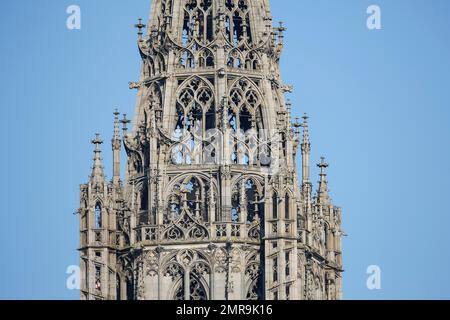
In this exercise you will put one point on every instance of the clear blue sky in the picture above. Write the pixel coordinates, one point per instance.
(379, 106)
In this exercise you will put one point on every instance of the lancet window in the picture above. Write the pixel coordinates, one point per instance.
(198, 22)
(245, 120)
(246, 199)
(193, 195)
(237, 21)
(195, 115)
(238, 60)
(98, 216)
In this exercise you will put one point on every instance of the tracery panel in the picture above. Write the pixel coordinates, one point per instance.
(195, 115)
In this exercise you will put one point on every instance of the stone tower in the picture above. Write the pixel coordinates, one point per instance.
(211, 206)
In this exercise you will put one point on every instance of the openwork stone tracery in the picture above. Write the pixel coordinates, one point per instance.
(211, 206)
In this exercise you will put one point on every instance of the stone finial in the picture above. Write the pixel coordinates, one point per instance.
(125, 123)
(97, 142)
(140, 26)
(322, 192)
(97, 168)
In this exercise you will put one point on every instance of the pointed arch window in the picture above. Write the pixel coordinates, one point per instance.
(237, 21)
(245, 119)
(195, 116)
(275, 206)
(144, 205)
(325, 236)
(287, 201)
(206, 59)
(196, 195)
(235, 60)
(196, 291)
(283, 144)
(98, 216)
(198, 21)
(252, 196)
(236, 207)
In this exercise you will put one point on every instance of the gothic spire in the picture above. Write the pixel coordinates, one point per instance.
(306, 151)
(116, 126)
(322, 192)
(116, 147)
(98, 175)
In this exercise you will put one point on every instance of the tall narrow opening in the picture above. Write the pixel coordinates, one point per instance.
(98, 216)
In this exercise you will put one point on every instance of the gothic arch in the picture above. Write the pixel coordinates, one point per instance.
(186, 59)
(98, 215)
(235, 59)
(198, 22)
(187, 176)
(154, 92)
(258, 179)
(237, 22)
(246, 120)
(154, 64)
(288, 195)
(252, 277)
(176, 266)
(206, 58)
(245, 101)
(195, 116)
(190, 205)
(153, 109)
(244, 92)
(252, 60)
(174, 198)
(98, 200)
(248, 191)
(194, 93)
(275, 205)
(198, 289)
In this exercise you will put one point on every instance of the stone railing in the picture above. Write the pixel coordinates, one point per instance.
(218, 231)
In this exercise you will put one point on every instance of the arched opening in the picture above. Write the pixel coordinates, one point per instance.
(98, 216)
(283, 145)
(325, 236)
(198, 21)
(235, 207)
(195, 115)
(252, 200)
(143, 208)
(206, 59)
(197, 291)
(194, 196)
(287, 201)
(237, 22)
(274, 206)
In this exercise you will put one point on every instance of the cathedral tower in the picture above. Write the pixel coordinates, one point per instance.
(211, 206)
